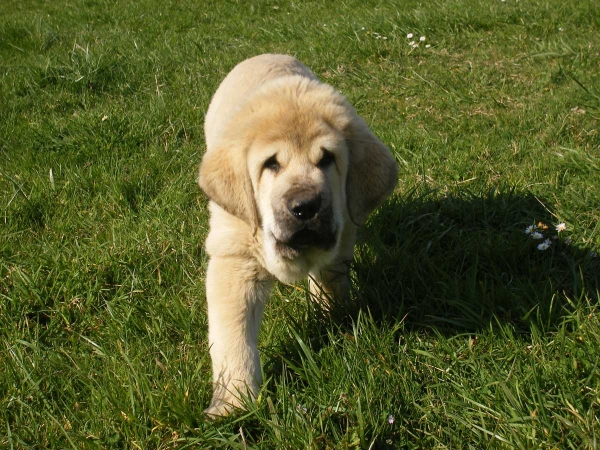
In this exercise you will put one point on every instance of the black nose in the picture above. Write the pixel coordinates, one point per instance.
(305, 206)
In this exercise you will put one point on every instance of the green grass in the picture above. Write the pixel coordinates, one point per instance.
(458, 328)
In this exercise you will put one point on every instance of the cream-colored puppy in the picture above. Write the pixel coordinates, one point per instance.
(291, 171)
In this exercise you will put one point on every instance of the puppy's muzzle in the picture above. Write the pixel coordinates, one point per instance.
(306, 221)
(305, 205)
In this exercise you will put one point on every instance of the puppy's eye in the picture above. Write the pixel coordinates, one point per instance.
(326, 160)
(272, 164)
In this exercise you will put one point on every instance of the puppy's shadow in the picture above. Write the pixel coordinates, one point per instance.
(459, 264)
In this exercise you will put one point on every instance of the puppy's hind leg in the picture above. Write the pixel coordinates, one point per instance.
(236, 293)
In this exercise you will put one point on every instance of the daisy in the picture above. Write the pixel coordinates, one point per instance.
(530, 229)
(409, 36)
(544, 245)
(422, 38)
(561, 227)
(390, 419)
(537, 235)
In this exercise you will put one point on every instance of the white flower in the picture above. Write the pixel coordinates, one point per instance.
(544, 245)
(409, 36)
(411, 43)
(427, 46)
(561, 227)
(422, 38)
(530, 229)
(390, 419)
(537, 235)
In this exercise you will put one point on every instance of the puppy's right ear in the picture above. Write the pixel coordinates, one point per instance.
(225, 179)
(372, 174)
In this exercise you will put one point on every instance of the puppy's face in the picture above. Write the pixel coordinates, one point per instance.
(298, 174)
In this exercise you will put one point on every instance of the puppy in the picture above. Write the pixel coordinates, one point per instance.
(291, 172)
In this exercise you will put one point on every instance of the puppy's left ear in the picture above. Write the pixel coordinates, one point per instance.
(372, 171)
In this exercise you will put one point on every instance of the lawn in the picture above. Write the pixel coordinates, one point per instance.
(460, 333)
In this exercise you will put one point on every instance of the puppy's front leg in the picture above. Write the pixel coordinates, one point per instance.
(333, 280)
(236, 293)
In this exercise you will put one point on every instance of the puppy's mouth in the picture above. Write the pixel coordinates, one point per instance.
(302, 240)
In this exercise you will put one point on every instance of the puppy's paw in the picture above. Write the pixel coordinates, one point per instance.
(222, 406)
(218, 409)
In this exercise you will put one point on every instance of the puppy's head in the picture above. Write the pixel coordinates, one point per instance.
(298, 163)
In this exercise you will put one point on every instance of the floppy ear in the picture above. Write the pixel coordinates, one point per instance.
(225, 179)
(372, 171)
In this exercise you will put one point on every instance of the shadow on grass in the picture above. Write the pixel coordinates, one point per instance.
(461, 263)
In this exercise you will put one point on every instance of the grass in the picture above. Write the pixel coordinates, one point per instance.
(460, 333)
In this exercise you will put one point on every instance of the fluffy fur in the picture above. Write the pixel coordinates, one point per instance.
(291, 171)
